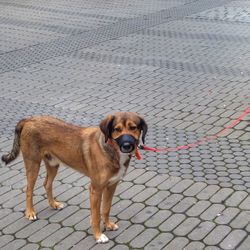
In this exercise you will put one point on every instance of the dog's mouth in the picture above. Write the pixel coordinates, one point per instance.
(127, 143)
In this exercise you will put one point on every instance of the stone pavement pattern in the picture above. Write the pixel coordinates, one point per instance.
(184, 65)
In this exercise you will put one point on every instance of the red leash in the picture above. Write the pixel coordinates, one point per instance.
(201, 141)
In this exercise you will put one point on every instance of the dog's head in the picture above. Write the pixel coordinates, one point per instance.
(125, 129)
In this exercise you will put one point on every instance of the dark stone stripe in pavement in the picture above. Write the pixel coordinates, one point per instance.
(37, 53)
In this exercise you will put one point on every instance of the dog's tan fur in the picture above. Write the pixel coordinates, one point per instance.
(91, 151)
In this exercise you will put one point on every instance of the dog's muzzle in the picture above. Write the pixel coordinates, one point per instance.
(126, 143)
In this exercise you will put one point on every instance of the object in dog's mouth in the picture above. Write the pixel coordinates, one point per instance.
(53, 141)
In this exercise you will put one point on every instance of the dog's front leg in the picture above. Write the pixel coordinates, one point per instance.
(95, 206)
(108, 194)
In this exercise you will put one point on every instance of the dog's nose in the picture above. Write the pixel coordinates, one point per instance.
(127, 147)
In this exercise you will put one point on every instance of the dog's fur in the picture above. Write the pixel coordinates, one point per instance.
(91, 151)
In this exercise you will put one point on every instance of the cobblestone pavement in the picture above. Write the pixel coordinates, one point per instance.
(184, 65)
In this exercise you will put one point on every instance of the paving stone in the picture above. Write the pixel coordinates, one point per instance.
(241, 220)
(70, 240)
(245, 244)
(198, 208)
(195, 246)
(30, 247)
(172, 222)
(221, 195)
(177, 243)
(144, 215)
(5, 239)
(15, 244)
(170, 201)
(44, 232)
(201, 230)
(245, 204)
(9, 219)
(184, 205)
(144, 195)
(131, 192)
(142, 239)
(129, 233)
(236, 198)
(131, 211)
(207, 192)
(159, 242)
(186, 226)
(217, 235)
(233, 239)
(158, 218)
(194, 189)
(227, 215)
(212, 212)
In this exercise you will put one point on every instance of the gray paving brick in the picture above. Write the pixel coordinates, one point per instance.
(158, 218)
(169, 183)
(15, 244)
(119, 207)
(63, 214)
(207, 192)
(159, 242)
(129, 233)
(181, 186)
(245, 204)
(131, 211)
(144, 215)
(186, 226)
(227, 215)
(157, 198)
(31, 229)
(16, 226)
(241, 220)
(9, 219)
(201, 230)
(120, 247)
(233, 239)
(198, 208)
(44, 232)
(184, 205)
(145, 177)
(195, 246)
(56, 237)
(123, 187)
(5, 239)
(177, 243)
(155, 181)
(221, 195)
(245, 244)
(133, 174)
(142, 239)
(131, 192)
(194, 189)
(236, 198)
(144, 195)
(212, 212)
(170, 201)
(30, 247)
(74, 218)
(217, 235)
(172, 222)
(87, 243)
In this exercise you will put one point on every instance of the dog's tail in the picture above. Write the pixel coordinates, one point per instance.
(7, 158)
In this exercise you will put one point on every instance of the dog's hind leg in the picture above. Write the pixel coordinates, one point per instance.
(32, 171)
(48, 184)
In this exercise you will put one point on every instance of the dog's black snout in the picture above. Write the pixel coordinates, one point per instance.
(127, 147)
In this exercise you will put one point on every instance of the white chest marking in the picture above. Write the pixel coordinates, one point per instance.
(122, 170)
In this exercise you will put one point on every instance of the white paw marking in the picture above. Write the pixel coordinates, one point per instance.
(115, 227)
(103, 239)
(61, 206)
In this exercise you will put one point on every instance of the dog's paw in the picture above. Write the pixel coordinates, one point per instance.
(103, 239)
(57, 205)
(31, 215)
(111, 226)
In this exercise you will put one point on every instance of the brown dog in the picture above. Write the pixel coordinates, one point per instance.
(102, 153)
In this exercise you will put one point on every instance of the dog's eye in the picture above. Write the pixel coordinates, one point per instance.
(132, 128)
(117, 129)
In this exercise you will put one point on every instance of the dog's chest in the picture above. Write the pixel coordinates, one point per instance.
(124, 160)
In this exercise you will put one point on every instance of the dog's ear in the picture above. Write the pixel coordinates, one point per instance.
(144, 128)
(106, 126)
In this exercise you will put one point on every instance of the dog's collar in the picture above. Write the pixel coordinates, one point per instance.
(137, 153)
